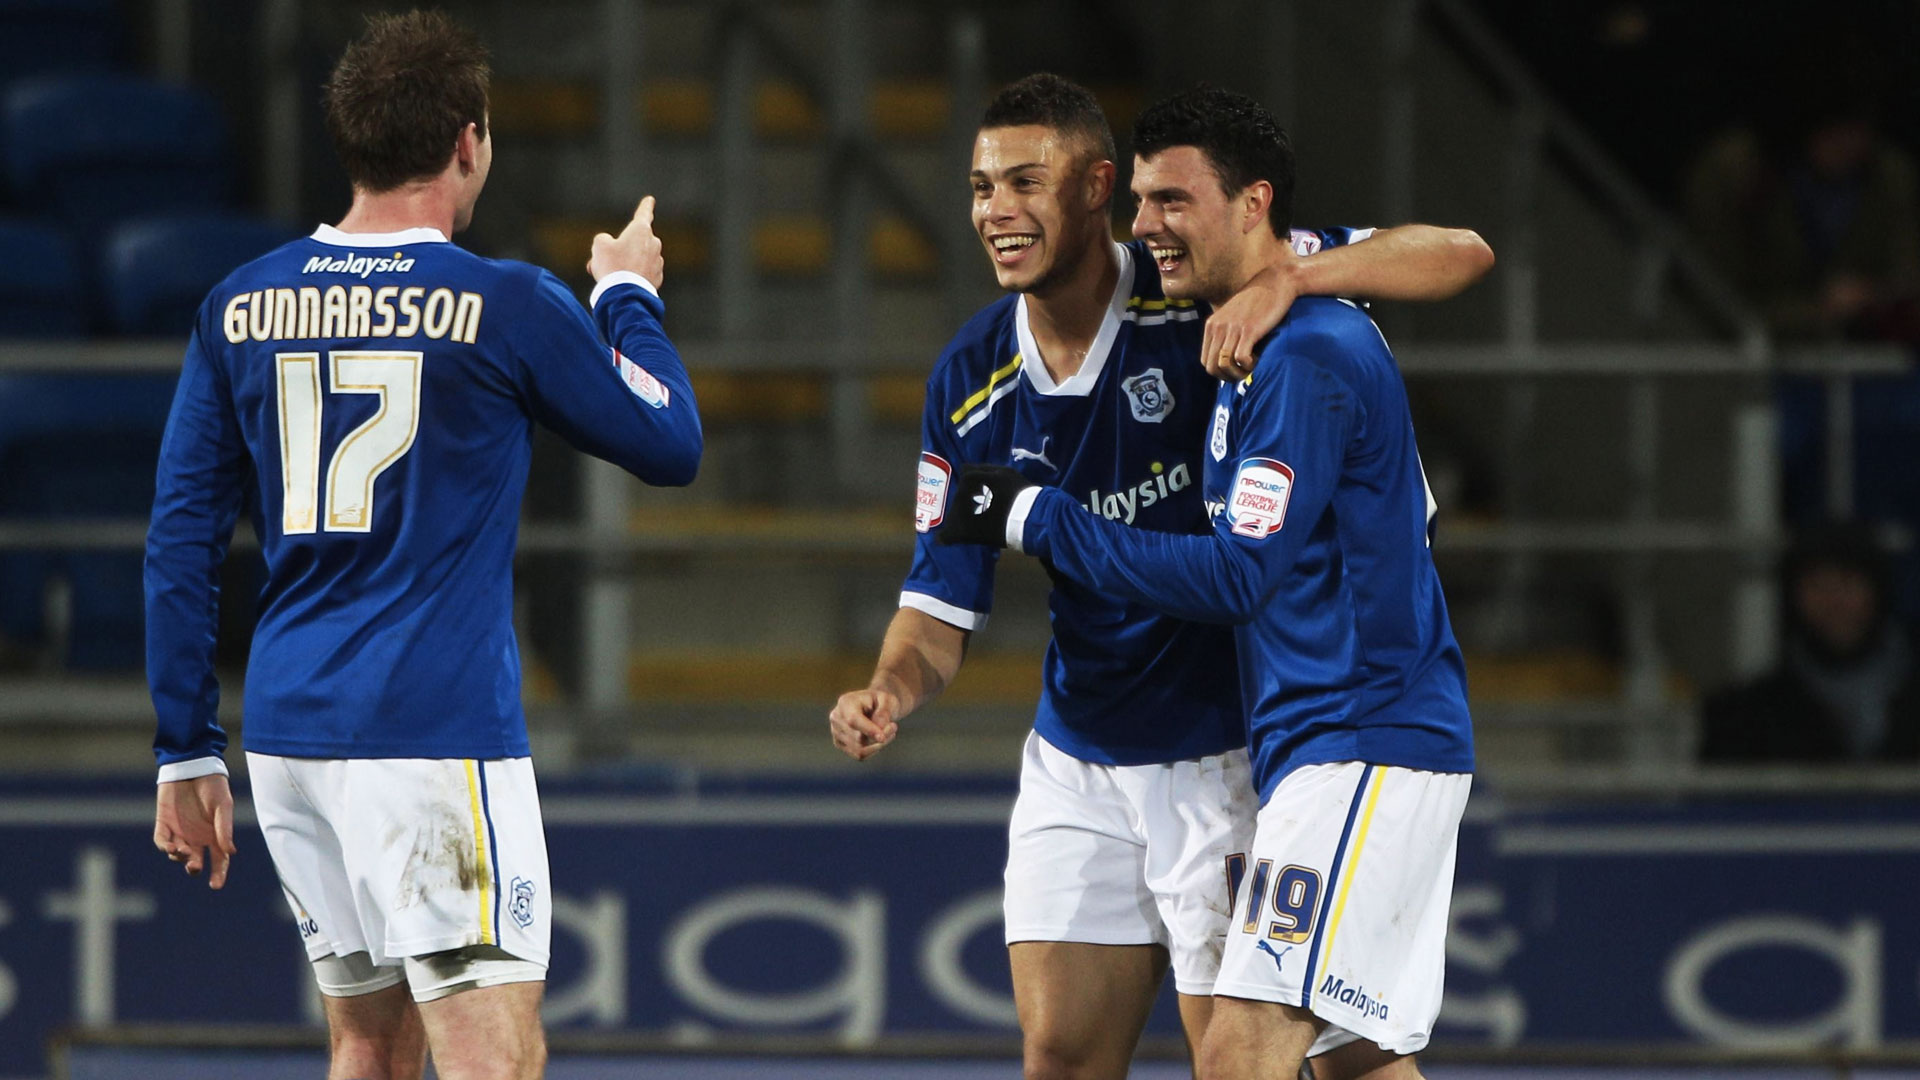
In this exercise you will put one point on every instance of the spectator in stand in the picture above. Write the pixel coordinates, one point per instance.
(1847, 687)
(1817, 220)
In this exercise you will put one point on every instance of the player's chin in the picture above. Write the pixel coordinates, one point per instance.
(1021, 278)
(1179, 283)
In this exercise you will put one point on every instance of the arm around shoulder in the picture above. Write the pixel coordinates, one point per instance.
(1407, 262)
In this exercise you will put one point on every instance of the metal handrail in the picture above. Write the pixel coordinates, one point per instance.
(884, 357)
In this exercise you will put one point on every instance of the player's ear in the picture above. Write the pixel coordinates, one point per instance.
(1099, 185)
(466, 149)
(1254, 202)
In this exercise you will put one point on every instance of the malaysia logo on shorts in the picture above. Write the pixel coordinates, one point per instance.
(1149, 396)
(930, 498)
(521, 906)
(1257, 505)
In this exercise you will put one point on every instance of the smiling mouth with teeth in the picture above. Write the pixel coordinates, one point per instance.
(1167, 256)
(1013, 243)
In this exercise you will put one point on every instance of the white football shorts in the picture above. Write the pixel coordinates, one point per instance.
(1342, 907)
(405, 858)
(1129, 854)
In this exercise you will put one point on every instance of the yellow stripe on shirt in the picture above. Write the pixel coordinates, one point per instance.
(980, 395)
(480, 864)
(1353, 860)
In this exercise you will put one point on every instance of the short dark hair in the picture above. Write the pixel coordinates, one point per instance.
(402, 93)
(1051, 101)
(1239, 137)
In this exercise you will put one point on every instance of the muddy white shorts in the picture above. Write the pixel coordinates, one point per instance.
(1128, 854)
(1342, 908)
(402, 858)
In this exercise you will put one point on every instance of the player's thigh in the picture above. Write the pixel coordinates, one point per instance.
(295, 802)
(375, 1036)
(487, 1033)
(1085, 1004)
(1197, 817)
(1343, 910)
(1196, 1011)
(1255, 1040)
(1076, 859)
(1362, 1060)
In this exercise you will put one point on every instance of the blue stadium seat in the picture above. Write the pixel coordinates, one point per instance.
(95, 150)
(79, 446)
(156, 271)
(41, 290)
(48, 37)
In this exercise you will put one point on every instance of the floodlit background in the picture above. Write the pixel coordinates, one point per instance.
(1694, 830)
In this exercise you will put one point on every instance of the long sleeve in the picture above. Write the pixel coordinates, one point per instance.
(1295, 423)
(632, 406)
(197, 497)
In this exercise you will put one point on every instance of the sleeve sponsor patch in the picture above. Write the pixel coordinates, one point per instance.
(930, 497)
(1305, 242)
(1257, 505)
(642, 383)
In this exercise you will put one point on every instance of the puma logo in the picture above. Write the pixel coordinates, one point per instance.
(1279, 958)
(1036, 455)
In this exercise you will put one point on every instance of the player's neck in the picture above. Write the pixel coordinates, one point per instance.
(410, 206)
(1263, 252)
(1066, 319)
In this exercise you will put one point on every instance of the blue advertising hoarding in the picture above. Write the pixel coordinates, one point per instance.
(1757, 926)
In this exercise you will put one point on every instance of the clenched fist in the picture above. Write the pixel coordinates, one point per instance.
(635, 250)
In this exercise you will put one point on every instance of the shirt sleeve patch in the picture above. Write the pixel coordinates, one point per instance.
(642, 383)
(1258, 505)
(1304, 242)
(930, 497)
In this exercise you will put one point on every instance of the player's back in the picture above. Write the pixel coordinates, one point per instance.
(384, 388)
(1356, 659)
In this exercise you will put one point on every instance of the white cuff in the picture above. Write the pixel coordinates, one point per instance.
(619, 277)
(951, 614)
(192, 769)
(1017, 517)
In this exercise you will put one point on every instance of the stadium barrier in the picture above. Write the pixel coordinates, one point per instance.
(856, 915)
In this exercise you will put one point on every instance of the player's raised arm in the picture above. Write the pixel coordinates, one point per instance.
(1407, 263)
(631, 404)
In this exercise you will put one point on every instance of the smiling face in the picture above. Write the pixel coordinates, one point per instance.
(1039, 203)
(1194, 229)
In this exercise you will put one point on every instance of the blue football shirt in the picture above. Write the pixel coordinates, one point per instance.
(1318, 555)
(371, 399)
(1122, 683)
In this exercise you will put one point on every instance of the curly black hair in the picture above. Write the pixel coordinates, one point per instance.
(1051, 101)
(1239, 137)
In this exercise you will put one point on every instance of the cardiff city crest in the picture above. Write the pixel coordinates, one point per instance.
(1149, 396)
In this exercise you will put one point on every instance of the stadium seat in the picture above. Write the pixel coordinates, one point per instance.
(48, 37)
(79, 446)
(41, 290)
(95, 150)
(156, 271)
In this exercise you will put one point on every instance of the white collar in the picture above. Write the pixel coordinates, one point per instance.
(327, 234)
(1081, 384)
